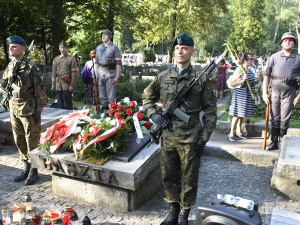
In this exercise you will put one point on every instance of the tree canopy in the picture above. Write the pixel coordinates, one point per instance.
(254, 25)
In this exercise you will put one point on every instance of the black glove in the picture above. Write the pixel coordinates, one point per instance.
(37, 117)
(200, 147)
(160, 121)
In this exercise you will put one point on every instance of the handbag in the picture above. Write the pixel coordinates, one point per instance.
(66, 78)
(229, 81)
(257, 99)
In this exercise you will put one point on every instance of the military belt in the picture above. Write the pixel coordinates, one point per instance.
(23, 95)
(287, 81)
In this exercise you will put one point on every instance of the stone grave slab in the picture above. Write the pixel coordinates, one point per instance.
(288, 165)
(283, 217)
(117, 185)
(49, 117)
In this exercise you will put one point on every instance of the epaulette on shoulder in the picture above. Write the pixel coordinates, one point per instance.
(34, 66)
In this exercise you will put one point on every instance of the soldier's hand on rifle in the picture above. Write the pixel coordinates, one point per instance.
(37, 117)
(200, 147)
(160, 120)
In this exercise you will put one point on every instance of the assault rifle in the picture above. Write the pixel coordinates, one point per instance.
(173, 109)
(7, 92)
(266, 130)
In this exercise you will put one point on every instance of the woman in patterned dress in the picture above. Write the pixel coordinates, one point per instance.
(221, 78)
(242, 103)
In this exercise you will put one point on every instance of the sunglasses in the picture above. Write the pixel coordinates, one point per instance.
(249, 59)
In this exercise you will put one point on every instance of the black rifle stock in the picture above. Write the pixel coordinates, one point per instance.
(173, 109)
(7, 92)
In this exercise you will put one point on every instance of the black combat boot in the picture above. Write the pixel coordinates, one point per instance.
(33, 176)
(172, 217)
(282, 132)
(25, 172)
(184, 217)
(274, 139)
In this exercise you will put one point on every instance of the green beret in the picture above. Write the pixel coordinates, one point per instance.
(183, 39)
(16, 40)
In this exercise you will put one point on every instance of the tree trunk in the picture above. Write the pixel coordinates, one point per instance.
(111, 17)
(56, 26)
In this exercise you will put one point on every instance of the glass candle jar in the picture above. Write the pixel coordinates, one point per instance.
(67, 213)
(17, 216)
(36, 218)
(5, 216)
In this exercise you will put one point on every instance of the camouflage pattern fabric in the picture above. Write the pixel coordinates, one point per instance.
(29, 96)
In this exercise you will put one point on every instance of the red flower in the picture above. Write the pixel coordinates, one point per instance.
(91, 124)
(128, 112)
(111, 112)
(94, 131)
(119, 107)
(118, 115)
(113, 105)
(140, 115)
(147, 124)
(132, 103)
(247, 121)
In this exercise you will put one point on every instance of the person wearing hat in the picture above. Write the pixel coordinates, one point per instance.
(25, 106)
(181, 146)
(280, 83)
(108, 69)
(64, 73)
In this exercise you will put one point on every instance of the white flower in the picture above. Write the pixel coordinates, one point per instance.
(107, 119)
(126, 100)
(141, 109)
(113, 122)
(77, 130)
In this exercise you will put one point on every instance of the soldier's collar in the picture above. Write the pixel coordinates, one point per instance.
(181, 71)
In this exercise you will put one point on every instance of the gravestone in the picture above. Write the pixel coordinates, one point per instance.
(286, 173)
(116, 185)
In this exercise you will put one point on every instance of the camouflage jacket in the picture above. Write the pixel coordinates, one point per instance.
(29, 93)
(201, 97)
(61, 66)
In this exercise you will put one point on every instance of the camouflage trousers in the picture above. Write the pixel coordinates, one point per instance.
(26, 134)
(180, 170)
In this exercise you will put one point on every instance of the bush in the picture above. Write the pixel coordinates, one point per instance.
(148, 55)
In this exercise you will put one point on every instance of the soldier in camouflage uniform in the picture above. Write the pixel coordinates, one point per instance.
(181, 148)
(64, 72)
(26, 105)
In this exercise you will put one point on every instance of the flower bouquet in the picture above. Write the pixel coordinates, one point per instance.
(96, 138)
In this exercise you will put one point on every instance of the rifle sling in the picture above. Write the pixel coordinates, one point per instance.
(23, 95)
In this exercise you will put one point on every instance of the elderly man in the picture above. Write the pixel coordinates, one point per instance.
(26, 105)
(280, 82)
(108, 69)
(182, 146)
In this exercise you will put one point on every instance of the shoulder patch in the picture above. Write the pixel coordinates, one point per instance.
(169, 82)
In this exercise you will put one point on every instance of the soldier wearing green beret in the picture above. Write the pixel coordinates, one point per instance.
(26, 105)
(181, 148)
